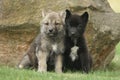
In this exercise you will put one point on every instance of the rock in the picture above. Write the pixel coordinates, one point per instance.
(20, 19)
(17, 12)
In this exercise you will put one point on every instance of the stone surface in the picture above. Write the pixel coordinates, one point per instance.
(20, 22)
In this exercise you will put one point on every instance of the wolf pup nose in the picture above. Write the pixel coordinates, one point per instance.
(50, 30)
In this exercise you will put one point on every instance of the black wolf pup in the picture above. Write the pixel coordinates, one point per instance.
(76, 55)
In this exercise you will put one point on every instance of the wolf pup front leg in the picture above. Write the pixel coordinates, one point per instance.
(58, 63)
(42, 61)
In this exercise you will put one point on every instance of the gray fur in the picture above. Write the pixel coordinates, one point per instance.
(51, 41)
(48, 46)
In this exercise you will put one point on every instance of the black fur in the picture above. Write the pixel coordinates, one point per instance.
(75, 28)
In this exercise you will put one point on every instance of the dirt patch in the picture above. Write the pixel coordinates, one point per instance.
(14, 41)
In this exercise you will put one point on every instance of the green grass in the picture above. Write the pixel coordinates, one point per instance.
(112, 73)
(116, 61)
(15, 74)
(118, 49)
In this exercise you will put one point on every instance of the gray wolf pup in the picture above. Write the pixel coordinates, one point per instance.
(49, 44)
(76, 56)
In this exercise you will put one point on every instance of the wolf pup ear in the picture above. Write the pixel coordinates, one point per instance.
(85, 17)
(43, 13)
(68, 13)
(63, 15)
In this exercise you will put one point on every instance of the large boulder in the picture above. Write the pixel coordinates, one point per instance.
(19, 24)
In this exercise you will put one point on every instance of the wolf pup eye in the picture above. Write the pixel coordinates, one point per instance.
(46, 23)
(79, 26)
(57, 23)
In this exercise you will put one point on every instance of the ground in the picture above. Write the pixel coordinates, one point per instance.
(14, 41)
(111, 73)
